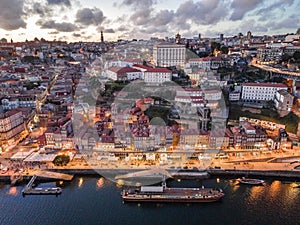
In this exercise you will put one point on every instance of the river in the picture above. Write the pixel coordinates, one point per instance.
(94, 200)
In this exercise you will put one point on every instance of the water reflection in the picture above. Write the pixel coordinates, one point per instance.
(274, 189)
(80, 182)
(120, 183)
(13, 191)
(100, 182)
(255, 192)
(235, 185)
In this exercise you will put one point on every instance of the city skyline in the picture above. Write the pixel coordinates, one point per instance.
(83, 20)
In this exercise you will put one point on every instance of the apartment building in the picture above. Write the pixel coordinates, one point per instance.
(261, 91)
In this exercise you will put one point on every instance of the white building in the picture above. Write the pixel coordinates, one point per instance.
(157, 75)
(168, 54)
(213, 95)
(201, 63)
(283, 100)
(125, 73)
(234, 96)
(261, 91)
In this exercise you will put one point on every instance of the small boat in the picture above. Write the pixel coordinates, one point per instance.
(250, 181)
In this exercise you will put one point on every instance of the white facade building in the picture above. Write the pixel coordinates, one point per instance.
(283, 100)
(234, 96)
(125, 73)
(157, 75)
(261, 91)
(168, 54)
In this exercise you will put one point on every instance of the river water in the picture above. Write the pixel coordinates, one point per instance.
(94, 200)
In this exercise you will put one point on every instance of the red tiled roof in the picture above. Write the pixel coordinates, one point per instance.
(152, 70)
(264, 85)
(158, 70)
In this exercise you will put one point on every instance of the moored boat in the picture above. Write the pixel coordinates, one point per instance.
(166, 194)
(250, 181)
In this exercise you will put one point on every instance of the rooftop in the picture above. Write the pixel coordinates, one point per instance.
(264, 85)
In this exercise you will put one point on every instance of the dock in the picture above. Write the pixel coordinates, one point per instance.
(29, 190)
(53, 175)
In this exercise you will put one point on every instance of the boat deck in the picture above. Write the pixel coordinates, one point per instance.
(176, 194)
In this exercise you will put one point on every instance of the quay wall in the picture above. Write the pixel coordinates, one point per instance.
(261, 173)
(191, 175)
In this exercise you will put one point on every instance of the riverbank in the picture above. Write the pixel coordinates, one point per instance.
(187, 174)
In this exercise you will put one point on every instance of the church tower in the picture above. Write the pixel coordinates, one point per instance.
(102, 37)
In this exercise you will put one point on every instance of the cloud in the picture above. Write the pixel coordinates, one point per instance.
(204, 12)
(59, 2)
(76, 35)
(163, 17)
(53, 32)
(141, 17)
(37, 8)
(138, 3)
(241, 7)
(87, 16)
(12, 14)
(62, 27)
(287, 23)
(109, 30)
(251, 25)
(105, 30)
(281, 4)
(122, 28)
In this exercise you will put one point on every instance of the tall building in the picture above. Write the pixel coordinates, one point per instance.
(177, 38)
(199, 37)
(167, 54)
(249, 35)
(221, 37)
(102, 37)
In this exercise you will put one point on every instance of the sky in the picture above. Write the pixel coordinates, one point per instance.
(82, 20)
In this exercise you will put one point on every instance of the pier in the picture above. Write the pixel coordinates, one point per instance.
(29, 190)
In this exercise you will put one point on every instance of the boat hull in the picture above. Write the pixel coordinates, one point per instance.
(184, 200)
(250, 181)
(172, 195)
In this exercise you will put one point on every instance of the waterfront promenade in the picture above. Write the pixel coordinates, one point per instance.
(281, 164)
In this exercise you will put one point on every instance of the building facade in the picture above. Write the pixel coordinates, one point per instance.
(261, 91)
(283, 101)
(11, 126)
(168, 54)
(269, 55)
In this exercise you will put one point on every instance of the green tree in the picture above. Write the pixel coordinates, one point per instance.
(286, 57)
(296, 55)
(214, 46)
(61, 160)
(224, 49)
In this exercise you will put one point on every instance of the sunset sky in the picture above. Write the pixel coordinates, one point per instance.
(82, 20)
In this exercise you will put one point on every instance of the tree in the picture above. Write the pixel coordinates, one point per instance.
(187, 44)
(224, 49)
(61, 160)
(296, 55)
(214, 46)
(286, 57)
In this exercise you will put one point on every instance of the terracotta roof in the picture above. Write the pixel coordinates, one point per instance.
(158, 70)
(264, 85)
